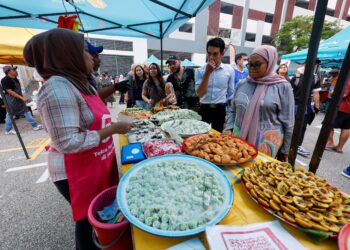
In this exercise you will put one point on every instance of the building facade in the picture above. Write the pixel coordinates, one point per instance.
(243, 23)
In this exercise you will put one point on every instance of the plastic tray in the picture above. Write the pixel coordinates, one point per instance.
(226, 206)
(184, 148)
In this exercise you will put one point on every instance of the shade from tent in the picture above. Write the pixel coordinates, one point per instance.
(152, 59)
(12, 41)
(331, 49)
(188, 63)
(133, 18)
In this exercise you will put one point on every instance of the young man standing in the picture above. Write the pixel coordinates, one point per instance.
(15, 100)
(241, 61)
(214, 85)
(183, 82)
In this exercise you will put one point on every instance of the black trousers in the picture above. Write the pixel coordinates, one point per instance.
(214, 114)
(83, 229)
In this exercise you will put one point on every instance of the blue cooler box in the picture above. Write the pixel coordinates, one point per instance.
(132, 153)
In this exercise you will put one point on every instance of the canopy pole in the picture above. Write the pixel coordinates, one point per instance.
(13, 122)
(331, 114)
(161, 46)
(317, 26)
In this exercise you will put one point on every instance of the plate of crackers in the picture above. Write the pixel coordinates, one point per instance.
(297, 197)
(220, 149)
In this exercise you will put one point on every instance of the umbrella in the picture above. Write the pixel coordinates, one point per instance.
(188, 63)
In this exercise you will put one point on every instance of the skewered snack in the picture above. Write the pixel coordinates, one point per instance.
(297, 196)
(220, 149)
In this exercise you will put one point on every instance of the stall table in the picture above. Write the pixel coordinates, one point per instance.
(243, 212)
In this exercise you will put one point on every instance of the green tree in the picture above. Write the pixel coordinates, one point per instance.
(295, 35)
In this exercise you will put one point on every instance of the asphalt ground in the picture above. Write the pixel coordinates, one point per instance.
(33, 215)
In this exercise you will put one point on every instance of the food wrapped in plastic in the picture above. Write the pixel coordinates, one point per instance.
(161, 147)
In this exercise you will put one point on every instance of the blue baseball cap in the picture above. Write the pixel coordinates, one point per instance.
(94, 49)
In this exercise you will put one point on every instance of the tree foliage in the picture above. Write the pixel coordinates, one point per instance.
(295, 35)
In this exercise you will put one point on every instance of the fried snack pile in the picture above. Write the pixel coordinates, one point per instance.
(157, 109)
(220, 149)
(299, 197)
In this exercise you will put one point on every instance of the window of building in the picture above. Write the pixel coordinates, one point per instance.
(267, 39)
(113, 44)
(268, 18)
(226, 8)
(330, 12)
(250, 37)
(302, 4)
(115, 64)
(224, 33)
(187, 27)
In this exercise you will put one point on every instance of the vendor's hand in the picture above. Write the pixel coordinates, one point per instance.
(121, 127)
(26, 99)
(211, 65)
(227, 132)
(150, 102)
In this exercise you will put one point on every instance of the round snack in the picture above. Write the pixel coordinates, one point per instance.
(282, 188)
(315, 215)
(318, 226)
(263, 202)
(287, 210)
(304, 222)
(295, 190)
(331, 226)
(274, 205)
(319, 204)
(276, 199)
(289, 217)
(299, 202)
(286, 198)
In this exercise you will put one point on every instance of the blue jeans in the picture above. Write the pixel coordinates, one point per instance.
(142, 104)
(27, 115)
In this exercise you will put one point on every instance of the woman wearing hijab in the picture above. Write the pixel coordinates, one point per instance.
(81, 157)
(262, 110)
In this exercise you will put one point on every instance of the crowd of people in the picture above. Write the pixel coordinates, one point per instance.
(253, 101)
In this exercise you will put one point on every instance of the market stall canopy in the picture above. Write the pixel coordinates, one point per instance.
(188, 63)
(152, 59)
(133, 18)
(12, 41)
(331, 49)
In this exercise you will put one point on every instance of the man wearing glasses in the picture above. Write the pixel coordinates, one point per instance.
(15, 100)
(214, 84)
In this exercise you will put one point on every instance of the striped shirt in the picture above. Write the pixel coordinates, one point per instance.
(66, 117)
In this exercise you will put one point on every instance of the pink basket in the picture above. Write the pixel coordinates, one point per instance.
(110, 236)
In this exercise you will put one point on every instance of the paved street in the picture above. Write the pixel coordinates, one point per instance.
(33, 214)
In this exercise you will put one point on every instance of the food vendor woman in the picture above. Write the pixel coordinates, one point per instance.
(81, 157)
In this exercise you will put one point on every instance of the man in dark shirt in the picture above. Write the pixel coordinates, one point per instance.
(313, 103)
(182, 80)
(15, 100)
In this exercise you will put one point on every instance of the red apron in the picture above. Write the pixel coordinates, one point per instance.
(94, 170)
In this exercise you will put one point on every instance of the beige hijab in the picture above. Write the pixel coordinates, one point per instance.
(58, 52)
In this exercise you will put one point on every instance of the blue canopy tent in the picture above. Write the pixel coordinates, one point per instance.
(152, 59)
(331, 51)
(188, 63)
(132, 18)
